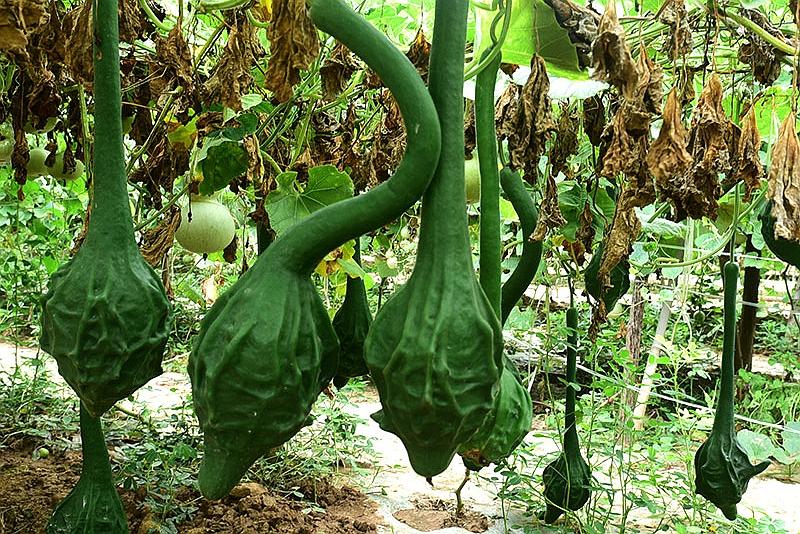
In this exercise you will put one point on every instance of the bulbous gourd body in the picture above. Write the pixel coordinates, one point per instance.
(506, 426)
(784, 249)
(620, 281)
(722, 468)
(106, 320)
(249, 401)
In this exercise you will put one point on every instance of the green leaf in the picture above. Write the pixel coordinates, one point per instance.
(791, 438)
(757, 446)
(291, 202)
(664, 228)
(572, 198)
(221, 161)
(533, 29)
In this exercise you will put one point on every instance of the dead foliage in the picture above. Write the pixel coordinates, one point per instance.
(764, 60)
(157, 241)
(749, 169)
(419, 54)
(668, 158)
(337, 71)
(594, 118)
(18, 20)
(550, 216)
(784, 182)
(581, 25)
(565, 143)
(611, 56)
(231, 78)
(675, 16)
(294, 45)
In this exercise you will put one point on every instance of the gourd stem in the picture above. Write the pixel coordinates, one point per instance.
(723, 417)
(96, 465)
(490, 245)
(528, 264)
(301, 247)
(110, 211)
(355, 284)
(570, 432)
(445, 198)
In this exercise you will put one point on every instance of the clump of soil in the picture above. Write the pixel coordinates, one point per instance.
(434, 514)
(31, 488)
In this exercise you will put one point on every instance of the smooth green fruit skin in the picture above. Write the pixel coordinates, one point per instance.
(36, 166)
(785, 250)
(722, 468)
(249, 401)
(57, 170)
(106, 320)
(505, 428)
(620, 280)
(351, 324)
(211, 228)
(472, 180)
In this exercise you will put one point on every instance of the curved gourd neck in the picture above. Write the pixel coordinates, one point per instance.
(356, 290)
(444, 218)
(110, 212)
(723, 416)
(570, 432)
(96, 466)
(302, 246)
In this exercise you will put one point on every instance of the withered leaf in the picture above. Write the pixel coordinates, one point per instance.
(157, 241)
(232, 78)
(132, 21)
(675, 16)
(594, 118)
(504, 110)
(78, 47)
(748, 163)
(18, 19)
(649, 85)
(337, 71)
(764, 60)
(550, 216)
(566, 139)
(585, 234)
(581, 25)
(294, 45)
(173, 66)
(389, 139)
(668, 158)
(625, 141)
(419, 54)
(532, 121)
(611, 56)
(784, 181)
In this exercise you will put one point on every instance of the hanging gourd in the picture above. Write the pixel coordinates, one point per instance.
(434, 350)
(206, 226)
(93, 506)
(780, 219)
(351, 324)
(620, 280)
(568, 479)
(267, 345)
(722, 468)
(105, 317)
(522, 275)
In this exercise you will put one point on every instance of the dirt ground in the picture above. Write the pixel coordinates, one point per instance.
(31, 488)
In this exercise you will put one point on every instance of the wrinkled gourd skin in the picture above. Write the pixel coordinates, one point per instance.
(788, 251)
(93, 506)
(434, 355)
(106, 320)
(568, 479)
(722, 468)
(620, 282)
(504, 428)
(268, 350)
(351, 324)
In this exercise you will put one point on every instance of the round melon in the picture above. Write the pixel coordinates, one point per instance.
(57, 170)
(210, 229)
(36, 166)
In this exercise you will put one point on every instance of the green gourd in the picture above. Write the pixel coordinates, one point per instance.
(105, 317)
(267, 346)
(519, 280)
(351, 324)
(568, 479)
(620, 280)
(93, 506)
(722, 468)
(784, 249)
(434, 350)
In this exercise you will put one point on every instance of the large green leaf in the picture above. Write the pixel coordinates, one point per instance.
(221, 161)
(292, 201)
(533, 30)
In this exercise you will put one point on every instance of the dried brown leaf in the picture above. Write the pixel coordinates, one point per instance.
(594, 118)
(748, 163)
(337, 71)
(419, 54)
(611, 56)
(680, 34)
(581, 25)
(550, 217)
(532, 121)
(784, 181)
(764, 60)
(18, 20)
(504, 111)
(668, 158)
(78, 47)
(157, 241)
(172, 68)
(231, 78)
(294, 45)
(649, 86)
(566, 140)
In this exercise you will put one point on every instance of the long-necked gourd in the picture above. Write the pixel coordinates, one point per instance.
(434, 350)
(722, 468)
(568, 479)
(351, 324)
(93, 506)
(784, 249)
(523, 274)
(267, 346)
(510, 419)
(105, 317)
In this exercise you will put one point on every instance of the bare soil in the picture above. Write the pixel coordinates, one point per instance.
(30, 489)
(433, 514)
